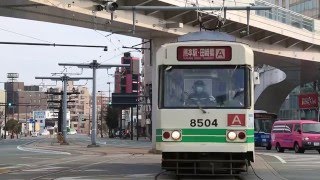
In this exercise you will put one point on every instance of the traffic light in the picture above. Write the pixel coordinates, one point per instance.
(110, 104)
(9, 104)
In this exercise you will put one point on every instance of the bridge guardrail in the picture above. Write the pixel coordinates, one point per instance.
(277, 13)
(286, 16)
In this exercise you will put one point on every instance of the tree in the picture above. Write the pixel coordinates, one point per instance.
(112, 118)
(13, 127)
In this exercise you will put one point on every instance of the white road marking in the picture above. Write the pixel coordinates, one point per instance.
(278, 157)
(42, 151)
(139, 175)
(36, 158)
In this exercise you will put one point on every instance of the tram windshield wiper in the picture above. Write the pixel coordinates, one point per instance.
(168, 68)
(203, 111)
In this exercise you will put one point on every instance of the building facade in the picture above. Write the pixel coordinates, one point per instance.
(306, 7)
(130, 80)
(302, 103)
(24, 100)
(78, 105)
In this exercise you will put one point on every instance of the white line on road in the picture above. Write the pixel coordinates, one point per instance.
(278, 157)
(42, 151)
(44, 158)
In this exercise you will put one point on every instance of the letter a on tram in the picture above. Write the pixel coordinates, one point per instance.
(236, 120)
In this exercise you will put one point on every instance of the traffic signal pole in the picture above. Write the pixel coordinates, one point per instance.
(94, 65)
(65, 80)
(5, 120)
(64, 108)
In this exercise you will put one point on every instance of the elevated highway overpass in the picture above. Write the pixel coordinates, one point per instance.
(280, 38)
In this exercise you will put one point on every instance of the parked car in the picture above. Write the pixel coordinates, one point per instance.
(44, 132)
(299, 135)
(34, 134)
(72, 131)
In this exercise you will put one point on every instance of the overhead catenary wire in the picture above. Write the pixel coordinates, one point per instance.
(52, 44)
(31, 37)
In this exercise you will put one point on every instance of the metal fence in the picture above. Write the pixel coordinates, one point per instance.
(286, 16)
(277, 13)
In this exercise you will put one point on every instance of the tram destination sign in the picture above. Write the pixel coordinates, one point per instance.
(204, 53)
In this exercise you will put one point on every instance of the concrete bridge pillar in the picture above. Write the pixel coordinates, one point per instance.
(149, 59)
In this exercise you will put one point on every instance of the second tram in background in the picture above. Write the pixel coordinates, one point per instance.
(203, 105)
(263, 122)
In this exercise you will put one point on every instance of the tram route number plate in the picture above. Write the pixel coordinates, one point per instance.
(203, 122)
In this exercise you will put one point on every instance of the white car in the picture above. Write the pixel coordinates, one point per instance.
(44, 132)
(72, 131)
(34, 134)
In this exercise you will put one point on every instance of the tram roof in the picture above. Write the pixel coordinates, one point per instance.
(206, 36)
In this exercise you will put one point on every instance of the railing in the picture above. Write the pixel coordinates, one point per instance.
(285, 16)
(277, 13)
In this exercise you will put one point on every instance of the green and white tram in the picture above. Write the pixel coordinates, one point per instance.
(203, 105)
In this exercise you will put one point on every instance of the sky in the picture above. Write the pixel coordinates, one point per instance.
(32, 61)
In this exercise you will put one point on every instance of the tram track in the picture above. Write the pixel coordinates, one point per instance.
(117, 157)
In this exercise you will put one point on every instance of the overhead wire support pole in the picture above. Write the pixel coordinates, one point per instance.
(195, 8)
(65, 80)
(94, 65)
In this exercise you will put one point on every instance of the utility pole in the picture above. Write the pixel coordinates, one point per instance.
(101, 112)
(94, 65)
(65, 80)
(137, 124)
(131, 123)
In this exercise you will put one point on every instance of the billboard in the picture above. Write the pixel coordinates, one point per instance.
(12, 75)
(308, 101)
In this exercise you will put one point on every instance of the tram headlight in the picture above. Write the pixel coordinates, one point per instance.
(231, 135)
(176, 135)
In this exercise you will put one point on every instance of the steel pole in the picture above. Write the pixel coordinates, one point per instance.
(191, 8)
(101, 116)
(64, 111)
(109, 92)
(131, 123)
(137, 125)
(89, 120)
(5, 116)
(94, 104)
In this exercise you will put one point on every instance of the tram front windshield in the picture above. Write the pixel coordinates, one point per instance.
(263, 125)
(205, 87)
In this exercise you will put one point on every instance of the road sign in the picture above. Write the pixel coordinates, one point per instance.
(124, 99)
(12, 75)
(30, 121)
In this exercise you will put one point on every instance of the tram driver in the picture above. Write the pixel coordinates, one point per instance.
(199, 96)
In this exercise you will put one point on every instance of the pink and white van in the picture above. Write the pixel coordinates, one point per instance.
(299, 135)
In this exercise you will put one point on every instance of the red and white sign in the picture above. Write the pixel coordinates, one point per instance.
(236, 120)
(204, 53)
(308, 101)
